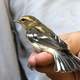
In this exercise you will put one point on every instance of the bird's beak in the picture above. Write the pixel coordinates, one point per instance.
(16, 21)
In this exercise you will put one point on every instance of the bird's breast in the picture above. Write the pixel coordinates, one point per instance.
(42, 48)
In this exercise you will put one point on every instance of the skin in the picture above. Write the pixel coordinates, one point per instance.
(43, 61)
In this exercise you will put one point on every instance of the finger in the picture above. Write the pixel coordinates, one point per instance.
(49, 70)
(73, 41)
(79, 54)
(41, 59)
(45, 69)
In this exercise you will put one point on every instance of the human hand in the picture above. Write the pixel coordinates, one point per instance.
(43, 62)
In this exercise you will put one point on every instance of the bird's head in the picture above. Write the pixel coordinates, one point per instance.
(28, 21)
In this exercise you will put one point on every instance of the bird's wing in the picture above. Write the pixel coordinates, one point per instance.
(64, 61)
(48, 32)
(44, 40)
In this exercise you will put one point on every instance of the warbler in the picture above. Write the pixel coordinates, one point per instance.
(44, 39)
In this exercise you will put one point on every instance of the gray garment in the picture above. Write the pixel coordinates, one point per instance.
(8, 60)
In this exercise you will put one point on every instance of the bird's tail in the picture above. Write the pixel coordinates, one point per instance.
(66, 62)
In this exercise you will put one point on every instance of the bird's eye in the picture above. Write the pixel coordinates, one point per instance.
(23, 19)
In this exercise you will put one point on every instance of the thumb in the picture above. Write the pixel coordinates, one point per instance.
(40, 59)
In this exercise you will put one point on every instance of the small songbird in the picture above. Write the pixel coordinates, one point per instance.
(44, 39)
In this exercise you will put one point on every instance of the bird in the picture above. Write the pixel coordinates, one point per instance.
(42, 38)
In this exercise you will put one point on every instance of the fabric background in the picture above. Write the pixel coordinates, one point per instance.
(8, 62)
